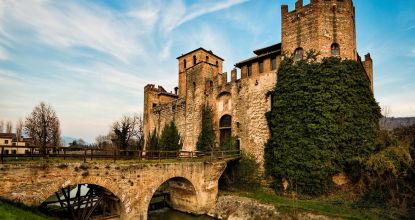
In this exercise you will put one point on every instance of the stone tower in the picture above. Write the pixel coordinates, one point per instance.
(326, 26)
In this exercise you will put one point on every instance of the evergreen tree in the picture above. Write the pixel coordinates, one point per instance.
(206, 139)
(153, 142)
(170, 137)
(324, 118)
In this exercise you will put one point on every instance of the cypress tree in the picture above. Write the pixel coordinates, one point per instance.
(153, 143)
(206, 139)
(170, 137)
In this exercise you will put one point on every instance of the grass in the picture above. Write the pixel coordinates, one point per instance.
(332, 208)
(14, 211)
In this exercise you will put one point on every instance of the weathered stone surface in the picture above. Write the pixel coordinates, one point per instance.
(194, 184)
(240, 208)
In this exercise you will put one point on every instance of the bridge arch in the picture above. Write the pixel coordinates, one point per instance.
(184, 195)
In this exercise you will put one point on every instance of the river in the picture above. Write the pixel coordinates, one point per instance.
(170, 214)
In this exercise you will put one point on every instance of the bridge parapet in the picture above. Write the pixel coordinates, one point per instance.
(133, 183)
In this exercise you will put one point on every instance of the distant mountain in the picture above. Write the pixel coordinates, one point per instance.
(390, 123)
(66, 140)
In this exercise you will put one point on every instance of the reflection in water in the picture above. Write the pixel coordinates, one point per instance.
(170, 214)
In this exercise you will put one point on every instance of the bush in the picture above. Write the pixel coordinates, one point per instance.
(323, 118)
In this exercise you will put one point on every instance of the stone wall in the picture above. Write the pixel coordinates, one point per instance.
(318, 25)
(133, 184)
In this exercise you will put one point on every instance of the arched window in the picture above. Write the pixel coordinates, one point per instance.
(207, 59)
(217, 63)
(298, 54)
(194, 60)
(184, 63)
(335, 49)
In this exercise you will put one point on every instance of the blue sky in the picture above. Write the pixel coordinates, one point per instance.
(91, 59)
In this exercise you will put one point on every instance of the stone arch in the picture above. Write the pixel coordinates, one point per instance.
(184, 194)
(58, 185)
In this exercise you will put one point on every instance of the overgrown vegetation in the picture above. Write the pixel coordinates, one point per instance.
(324, 120)
(13, 211)
(153, 142)
(242, 174)
(206, 139)
(170, 138)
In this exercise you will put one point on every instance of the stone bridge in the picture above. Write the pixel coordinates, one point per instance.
(194, 188)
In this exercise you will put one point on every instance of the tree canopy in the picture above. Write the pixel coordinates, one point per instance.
(43, 126)
(324, 117)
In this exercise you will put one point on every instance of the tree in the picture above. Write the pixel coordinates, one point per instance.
(1, 126)
(19, 129)
(128, 132)
(43, 126)
(206, 139)
(9, 127)
(170, 137)
(103, 141)
(153, 142)
(323, 120)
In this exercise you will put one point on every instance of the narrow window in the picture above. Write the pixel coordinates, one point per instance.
(249, 69)
(211, 84)
(207, 59)
(217, 63)
(184, 63)
(298, 54)
(194, 87)
(261, 66)
(6, 141)
(335, 49)
(273, 63)
(194, 60)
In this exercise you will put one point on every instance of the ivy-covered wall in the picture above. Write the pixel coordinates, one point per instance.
(324, 117)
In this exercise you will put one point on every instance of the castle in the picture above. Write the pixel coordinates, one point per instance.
(239, 106)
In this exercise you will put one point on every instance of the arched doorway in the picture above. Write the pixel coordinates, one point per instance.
(225, 128)
(83, 201)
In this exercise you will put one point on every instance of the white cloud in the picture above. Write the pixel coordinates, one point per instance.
(66, 24)
(3, 54)
(177, 14)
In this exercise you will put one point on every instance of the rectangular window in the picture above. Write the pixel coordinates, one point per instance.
(261, 66)
(249, 70)
(6, 141)
(273, 63)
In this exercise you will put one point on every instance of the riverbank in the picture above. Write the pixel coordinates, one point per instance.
(13, 211)
(266, 205)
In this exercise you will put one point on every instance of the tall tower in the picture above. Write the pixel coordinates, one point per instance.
(326, 26)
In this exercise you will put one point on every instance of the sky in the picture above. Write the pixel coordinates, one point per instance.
(90, 60)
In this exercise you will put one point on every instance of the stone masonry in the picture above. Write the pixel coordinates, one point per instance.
(326, 26)
(193, 185)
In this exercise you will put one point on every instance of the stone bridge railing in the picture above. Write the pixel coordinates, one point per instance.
(85, 153)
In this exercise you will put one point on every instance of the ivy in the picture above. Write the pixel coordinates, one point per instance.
(323, 118)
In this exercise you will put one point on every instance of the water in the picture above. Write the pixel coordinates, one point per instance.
(170, 214)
